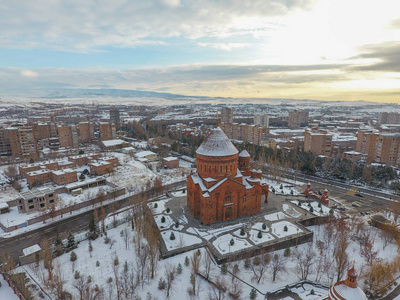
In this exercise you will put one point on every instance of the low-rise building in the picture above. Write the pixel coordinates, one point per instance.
(62, 177)
(353, 156)
(170, 162)
(35, 200)
(146, 156)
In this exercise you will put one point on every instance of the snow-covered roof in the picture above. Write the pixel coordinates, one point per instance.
(244, 153)
(110, 143)
(3, 205)
(346, 292)
(217, 144)
(143, 154)
(32, 249)
(170, 158)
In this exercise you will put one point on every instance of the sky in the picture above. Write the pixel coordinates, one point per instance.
(301, 49)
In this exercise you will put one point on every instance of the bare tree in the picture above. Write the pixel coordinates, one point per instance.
(277, 265)
(207, 263)
(11, 173)
(304, 261)
(218, 290)
(170, 276)
(47, 258)
(259, 266)
(340, 255)
(86, 290)
(195, 261)
(126, 235)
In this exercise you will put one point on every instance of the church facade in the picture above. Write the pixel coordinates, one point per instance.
(224, 187)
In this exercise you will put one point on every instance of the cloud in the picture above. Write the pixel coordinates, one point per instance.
(29, 74)
(394, 24)
(85, 25)
(224, 46)
(385, 57)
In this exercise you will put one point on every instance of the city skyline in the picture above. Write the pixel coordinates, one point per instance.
(306, 49)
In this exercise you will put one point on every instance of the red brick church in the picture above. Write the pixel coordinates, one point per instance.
(224, 187)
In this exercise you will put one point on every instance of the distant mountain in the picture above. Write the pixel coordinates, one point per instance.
(90, 93)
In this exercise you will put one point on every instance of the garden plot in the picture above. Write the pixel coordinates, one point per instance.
(160, 206)
(291, 211)
(265, 237)
(163, 225)
(276, 216)
(318, 208)
(180, 239)
(284, 228)
(259, 226)
(223, 244)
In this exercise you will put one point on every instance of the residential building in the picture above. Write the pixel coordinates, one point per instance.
(68, 136)
(23, 141)
(298, 118)
(107, 131)
(261, 120)
(35, 200)
(114, 117)
(318, 142)
(170, 162)
(86, 132)
(227, 115)
(389, 118)
(387, 149)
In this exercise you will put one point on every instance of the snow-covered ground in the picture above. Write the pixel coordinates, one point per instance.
(6, 292)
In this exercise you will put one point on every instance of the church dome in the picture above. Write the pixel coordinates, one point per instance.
(217, 144)
(347, 289)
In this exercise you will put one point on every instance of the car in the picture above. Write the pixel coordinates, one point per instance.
(355, 204)
(359, 195)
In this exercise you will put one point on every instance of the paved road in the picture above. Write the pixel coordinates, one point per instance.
(76, 223)
(372, 200)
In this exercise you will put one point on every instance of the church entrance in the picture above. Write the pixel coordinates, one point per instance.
(228, 213)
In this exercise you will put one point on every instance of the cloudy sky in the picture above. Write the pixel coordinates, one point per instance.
(315, 49)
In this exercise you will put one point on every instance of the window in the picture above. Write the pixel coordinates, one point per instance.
(50, 195)
(52, 201)
(30, 201)
(42, 205)
(31, 207)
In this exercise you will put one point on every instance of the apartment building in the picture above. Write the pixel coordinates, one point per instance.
(86, 132)
(5, 146)
(389, 118)
(23, 141)
(298, 118)
(68, 136)
(227, 115)
(387, 149)
(107, 131)
(114, 117)
(244, 132)
(318, 142)
(261, 120)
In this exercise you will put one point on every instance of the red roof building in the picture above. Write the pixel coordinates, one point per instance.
(347, 289)
(224, 187)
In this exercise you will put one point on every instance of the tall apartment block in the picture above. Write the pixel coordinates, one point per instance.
(68, 136)
(366, 142)
(318, 142)
(298, 118)
(387, 149)
(247, 133)
(261, 120)
(86, 132)
(23, 141)
(114, 117)
(5, 146)
(107, 131)
(389, 118)
(227, 115)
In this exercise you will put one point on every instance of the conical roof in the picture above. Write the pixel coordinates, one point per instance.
(217, 144)
(244, 153)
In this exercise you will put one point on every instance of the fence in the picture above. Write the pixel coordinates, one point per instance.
(12, 285)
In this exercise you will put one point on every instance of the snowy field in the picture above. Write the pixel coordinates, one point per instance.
(252, 275)
(318, 211)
